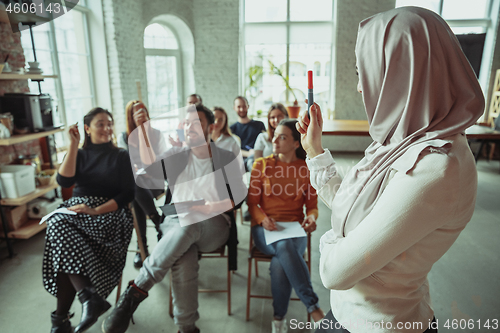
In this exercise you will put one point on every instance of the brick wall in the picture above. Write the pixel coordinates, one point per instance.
(180, 8)
(216, 40)
(124, 29)
(215, 26)
(348, 102)
(10, 43)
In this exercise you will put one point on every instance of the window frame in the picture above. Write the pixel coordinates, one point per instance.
(57, 69)
(169, 53)
(288, 23)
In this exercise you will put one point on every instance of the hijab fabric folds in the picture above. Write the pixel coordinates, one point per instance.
(418, 90)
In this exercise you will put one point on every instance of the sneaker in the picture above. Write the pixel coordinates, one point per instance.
(279, 326)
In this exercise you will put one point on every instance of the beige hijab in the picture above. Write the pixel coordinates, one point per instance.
(418, 89)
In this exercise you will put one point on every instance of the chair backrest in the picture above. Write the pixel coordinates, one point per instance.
(497, 124)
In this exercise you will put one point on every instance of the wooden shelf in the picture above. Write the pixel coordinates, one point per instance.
(27, 76)
(28, 230)
(28, 137)
(30, 196)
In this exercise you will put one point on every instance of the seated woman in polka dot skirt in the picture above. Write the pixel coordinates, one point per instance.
(85, 253)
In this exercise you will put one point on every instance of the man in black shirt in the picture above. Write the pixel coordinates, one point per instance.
(247, 129)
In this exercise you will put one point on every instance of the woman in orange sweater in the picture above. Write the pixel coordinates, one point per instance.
(279, 189)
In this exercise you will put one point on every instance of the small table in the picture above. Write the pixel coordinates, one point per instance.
(483, 134)
(346, 127)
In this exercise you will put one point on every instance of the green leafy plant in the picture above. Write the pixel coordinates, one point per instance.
(275, 70)
(255, 73)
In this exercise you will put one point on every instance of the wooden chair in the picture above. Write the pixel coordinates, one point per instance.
(258, 256)
(232, 266)
(484, 135)
(218, 253)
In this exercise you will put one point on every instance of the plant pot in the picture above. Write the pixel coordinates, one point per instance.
(293, 111)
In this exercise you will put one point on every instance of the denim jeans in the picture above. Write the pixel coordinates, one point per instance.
(178, 250)
(288, 269)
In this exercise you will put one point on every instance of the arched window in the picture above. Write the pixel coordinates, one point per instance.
(163, 68)
(297, 69)
(157, 36)
(317, 68)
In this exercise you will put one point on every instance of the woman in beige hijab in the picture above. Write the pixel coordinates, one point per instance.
(404, 204)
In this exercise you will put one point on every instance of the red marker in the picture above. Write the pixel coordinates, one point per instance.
(310, 96)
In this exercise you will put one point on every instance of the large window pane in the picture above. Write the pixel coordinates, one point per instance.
(265, 33)
(311, 56)
(268, 89)
(311, 10)
(74, 67)
(157, 36)
(311, 33)
(275, 52)
(265, 10)
(429, 4)
(41, 34)
(464, 9)
(468, 30)
(162, 84)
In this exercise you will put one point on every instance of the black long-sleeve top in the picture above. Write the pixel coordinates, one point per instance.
(103, 171)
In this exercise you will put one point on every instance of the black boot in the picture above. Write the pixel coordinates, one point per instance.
(61, 323)
(118, 320)
(93, 306)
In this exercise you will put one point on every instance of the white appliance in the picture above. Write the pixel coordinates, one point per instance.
(38, 208)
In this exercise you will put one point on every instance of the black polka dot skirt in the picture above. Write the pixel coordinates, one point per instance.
(94, 246)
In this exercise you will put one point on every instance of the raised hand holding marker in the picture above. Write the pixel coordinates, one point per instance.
(310, 95)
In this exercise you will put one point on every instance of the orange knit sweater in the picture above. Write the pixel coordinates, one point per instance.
(281, 190)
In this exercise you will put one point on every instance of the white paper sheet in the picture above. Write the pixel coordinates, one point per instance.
(285, 230)
(62, 210)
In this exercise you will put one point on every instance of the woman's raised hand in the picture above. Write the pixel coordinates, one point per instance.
(74, 136)
(140, 114)
(311, 130)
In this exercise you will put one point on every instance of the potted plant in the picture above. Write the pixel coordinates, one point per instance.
(293, 110)
(255, 74)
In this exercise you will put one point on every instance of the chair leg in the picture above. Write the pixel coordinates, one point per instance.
(478, 152)
(119, 288)
(256, 268)
(249, 284)
(170, 303)
(228, 292)
(142, 250)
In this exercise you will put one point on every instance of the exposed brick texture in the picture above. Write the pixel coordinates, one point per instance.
(215, 26)
(10, 44)
(216, 37)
